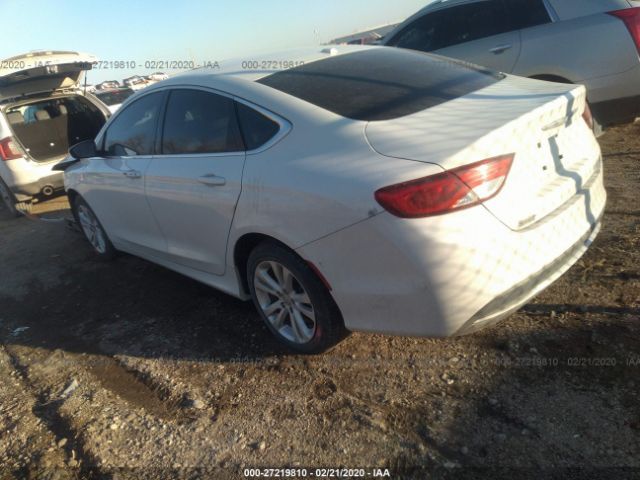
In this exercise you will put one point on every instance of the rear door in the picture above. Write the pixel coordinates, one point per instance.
(480, 32)
(194, 183)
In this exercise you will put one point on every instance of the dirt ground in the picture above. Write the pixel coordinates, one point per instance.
(127, 370)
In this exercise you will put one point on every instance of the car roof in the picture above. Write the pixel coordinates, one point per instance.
(255, 67)
(241, 78)
(237, 76)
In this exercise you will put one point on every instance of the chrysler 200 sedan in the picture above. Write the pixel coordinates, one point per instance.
(366, 188)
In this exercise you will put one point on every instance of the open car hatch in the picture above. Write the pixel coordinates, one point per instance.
(44, 71)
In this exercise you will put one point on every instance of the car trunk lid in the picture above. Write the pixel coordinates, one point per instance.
(39, 72)
(541, 123)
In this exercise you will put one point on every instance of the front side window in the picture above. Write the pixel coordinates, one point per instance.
(200, 122)
(454, 25)
(256, 128)
(133, 130)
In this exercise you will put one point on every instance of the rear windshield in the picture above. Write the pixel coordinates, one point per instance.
(115, 97)
(381, 83)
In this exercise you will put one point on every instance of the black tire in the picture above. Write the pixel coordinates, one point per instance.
(8, 199)
(328, 329)
(105, 249)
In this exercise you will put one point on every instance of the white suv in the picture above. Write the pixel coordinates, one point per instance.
(43, 111)
(591, 42)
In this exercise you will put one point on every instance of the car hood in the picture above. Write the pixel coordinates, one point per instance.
(38, 72)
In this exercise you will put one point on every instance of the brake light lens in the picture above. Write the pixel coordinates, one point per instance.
(9, 149)
(588, 116)
(446, 192)
(631, 18)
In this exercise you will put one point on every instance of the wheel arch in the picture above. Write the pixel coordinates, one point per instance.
(245, 245)
(71, 196)
(547, 77)
(241, 251)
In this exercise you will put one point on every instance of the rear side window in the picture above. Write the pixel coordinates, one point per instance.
(381, 83)
(133, 130)
(528, 13)
(200, 122)
(454, 25)
(256, 128)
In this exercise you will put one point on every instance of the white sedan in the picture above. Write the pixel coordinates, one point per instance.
(349, 188)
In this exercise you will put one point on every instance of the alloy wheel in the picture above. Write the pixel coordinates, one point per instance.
(92, 229)
(284, 302)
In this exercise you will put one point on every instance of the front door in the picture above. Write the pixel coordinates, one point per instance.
(114, 183)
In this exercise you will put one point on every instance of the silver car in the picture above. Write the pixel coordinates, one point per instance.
(590, 42)
(43, 111)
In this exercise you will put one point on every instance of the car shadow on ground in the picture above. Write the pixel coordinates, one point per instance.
(554, 387)
(557, 402)
(559, 396)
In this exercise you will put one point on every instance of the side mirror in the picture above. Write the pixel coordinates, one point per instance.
(85, 149)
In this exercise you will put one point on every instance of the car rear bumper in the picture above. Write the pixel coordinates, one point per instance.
(26, 191)
(451, 274)
(511, 300)
(27, 179)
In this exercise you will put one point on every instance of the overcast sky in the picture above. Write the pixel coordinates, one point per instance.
(193, 30)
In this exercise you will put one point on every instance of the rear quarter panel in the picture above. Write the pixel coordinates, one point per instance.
(319, 179)
(578, 49)
(568, 9)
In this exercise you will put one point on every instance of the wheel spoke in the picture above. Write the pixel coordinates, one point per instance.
(273, 308)
(266, 283)
(301, 331)
(278, 321)
(82, 216)
(301, 297)
(278, 272)
(100, 243)
(287, 281)
(305, 310)
(299, 327)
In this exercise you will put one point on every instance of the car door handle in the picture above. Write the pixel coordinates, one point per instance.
(132, 174)
(500, 49)
(212, 180)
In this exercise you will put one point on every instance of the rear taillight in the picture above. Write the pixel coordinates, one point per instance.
(446, 192)
(587, 116)
(9, 149)
(631, 18)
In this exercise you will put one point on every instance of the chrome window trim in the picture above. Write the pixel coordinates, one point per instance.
(100, 138)
(285, 125)
(551, 11)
